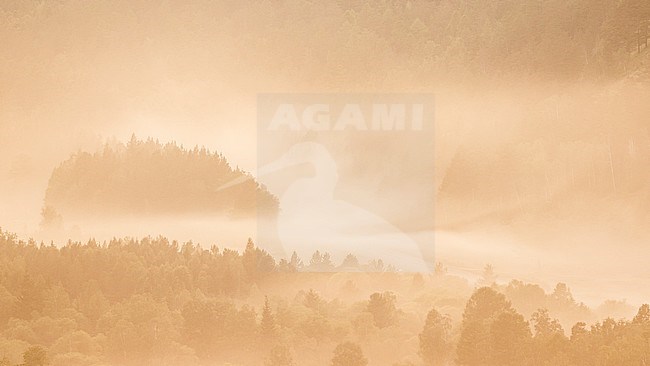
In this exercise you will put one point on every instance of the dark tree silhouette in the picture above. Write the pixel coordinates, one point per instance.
(435, 342)
(348, 354)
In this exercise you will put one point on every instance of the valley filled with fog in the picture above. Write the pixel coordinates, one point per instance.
(138, 124)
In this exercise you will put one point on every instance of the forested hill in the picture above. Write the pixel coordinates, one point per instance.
(149, 178)
(333, 44)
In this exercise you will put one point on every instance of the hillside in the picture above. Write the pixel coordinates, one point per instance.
(149, 178)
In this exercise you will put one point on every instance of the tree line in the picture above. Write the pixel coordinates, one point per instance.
(152, 301)
(146, 177)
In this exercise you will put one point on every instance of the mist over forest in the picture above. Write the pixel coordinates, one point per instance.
(134, 217)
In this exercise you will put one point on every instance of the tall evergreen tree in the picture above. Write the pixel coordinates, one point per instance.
(435, 343)
(267, 324)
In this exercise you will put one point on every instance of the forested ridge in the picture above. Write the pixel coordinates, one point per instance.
(349, 42)
(152, 301)
(145, 177)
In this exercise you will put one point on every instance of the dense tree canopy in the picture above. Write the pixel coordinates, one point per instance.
(152, 302)
(146, 177)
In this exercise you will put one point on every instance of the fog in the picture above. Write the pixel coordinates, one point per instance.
(539, 158)
(573, 241)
